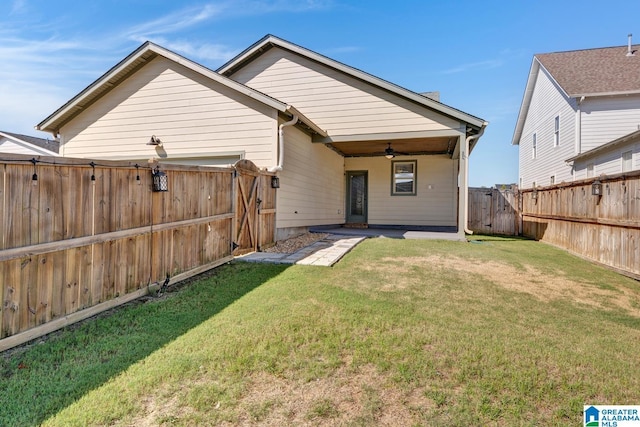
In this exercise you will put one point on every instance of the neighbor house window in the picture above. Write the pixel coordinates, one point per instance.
(556, 131)
(626, 161)
(403, 178)
(590, 170)
(535, 147)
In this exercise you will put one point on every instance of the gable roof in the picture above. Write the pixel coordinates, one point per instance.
(134, 62)
(269, 41)
(47, 144)
(594, 72)
(624, 140)
(588, 72)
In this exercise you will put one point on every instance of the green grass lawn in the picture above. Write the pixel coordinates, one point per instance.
(501, 332)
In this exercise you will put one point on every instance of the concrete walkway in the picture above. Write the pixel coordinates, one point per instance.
(338, 243)
(325, 252)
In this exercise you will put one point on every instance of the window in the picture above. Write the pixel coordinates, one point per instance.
(535, 147)
(590, 170)
(552, 180)
(627, 156)
(403, 178)
(556, 132)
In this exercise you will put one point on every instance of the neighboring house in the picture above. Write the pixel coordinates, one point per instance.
(579, 116)
(30, 145)
(323, 126)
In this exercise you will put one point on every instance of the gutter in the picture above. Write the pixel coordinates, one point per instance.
(291, 122)
(467, 140)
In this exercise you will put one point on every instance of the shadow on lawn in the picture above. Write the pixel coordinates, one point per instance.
(42, 378)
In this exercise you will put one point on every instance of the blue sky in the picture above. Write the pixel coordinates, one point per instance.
(477, 54)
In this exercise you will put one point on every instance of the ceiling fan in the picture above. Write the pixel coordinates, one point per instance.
(390, 153)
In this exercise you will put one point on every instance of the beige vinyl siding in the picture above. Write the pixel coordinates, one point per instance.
(311, 183)
(607, 118)
(434, 204)
(547, 102)
(340, 104)
(188, 112)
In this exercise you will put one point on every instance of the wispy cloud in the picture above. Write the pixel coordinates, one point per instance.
(18, 6)
(473, 66)
(194, 50)
(46, 61)
(174, 22)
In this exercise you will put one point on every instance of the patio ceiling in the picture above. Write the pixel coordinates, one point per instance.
(415, 146)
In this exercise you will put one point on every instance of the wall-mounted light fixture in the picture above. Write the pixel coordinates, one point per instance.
(275, 182)
(160, 180)
(155, 141)
(596, 188)
(534, 194)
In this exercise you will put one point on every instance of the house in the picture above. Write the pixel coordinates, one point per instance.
(29, 145)
(579, 116)
(349, 147)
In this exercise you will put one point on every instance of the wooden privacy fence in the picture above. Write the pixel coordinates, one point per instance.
(494, 210)
(78, 237)
(603, 228)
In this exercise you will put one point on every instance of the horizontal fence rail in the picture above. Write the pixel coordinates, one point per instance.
(603, 227)
(80, 236)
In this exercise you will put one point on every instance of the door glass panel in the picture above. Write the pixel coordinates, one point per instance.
(357, 194)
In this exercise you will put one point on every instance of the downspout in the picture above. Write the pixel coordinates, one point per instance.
(465, 155)
(291, 122)
(578, 147)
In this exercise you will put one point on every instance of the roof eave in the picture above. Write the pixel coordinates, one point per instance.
(612, 93)
(290, 109)
(606, 147)
(536, 65)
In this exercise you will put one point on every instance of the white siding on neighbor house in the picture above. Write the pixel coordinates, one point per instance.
(547, 102)
(192, 116)
(609, 162)
(15, 147)
(312, 184)
(435, 202)
(338, 103)
(606, 118)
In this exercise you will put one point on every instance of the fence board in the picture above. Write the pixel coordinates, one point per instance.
(604, 229)
(70, 244)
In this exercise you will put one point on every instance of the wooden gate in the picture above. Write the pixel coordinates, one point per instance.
(255, 208)
(494, 210)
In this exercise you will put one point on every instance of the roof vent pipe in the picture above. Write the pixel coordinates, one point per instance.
(629, 51)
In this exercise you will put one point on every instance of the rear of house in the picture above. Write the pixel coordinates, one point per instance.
(348, 147)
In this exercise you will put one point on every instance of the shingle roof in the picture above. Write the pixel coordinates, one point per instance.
(47, 144)
(594, 71)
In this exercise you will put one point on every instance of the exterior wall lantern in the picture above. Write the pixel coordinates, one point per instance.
(534, 194)
(275, 182)
(596, 188)
(160, 180)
